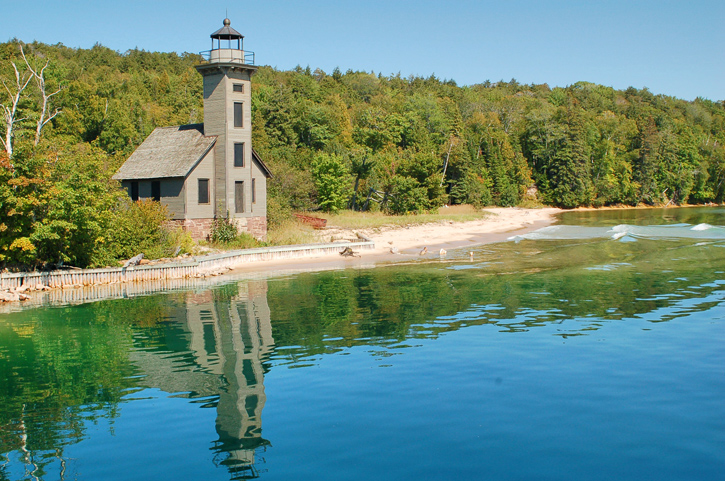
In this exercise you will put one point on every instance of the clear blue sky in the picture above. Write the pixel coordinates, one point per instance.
(671, 47)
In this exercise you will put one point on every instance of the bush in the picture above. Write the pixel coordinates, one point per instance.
(224, 233)
(142, 227)
(407, 196)
(223, 230)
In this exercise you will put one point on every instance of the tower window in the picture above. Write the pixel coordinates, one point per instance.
(156, 190)
(203, 191)
(238, 88)
(254, 191)
(239, 154)
(239, 197)
(238, 114)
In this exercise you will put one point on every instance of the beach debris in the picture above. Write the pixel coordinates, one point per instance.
(442, 253)
(348, 252)
(314, 222)
(423, 252)
(133, 261)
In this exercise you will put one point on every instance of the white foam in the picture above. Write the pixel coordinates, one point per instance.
(702, 227)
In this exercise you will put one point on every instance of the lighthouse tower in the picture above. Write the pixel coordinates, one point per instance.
(239, 175)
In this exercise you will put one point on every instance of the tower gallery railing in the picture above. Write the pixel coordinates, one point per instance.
(230, 55)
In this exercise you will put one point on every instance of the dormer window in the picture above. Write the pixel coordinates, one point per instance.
(238, 88)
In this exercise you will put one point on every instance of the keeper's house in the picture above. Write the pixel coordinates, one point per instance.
(205, 170)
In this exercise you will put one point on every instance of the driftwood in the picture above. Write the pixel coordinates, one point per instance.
(348, 252)
(133, 261)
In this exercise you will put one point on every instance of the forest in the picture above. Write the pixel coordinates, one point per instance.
(354, 140)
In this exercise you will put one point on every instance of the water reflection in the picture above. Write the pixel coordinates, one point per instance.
(228, 338)
(64, 369)
(57, 372)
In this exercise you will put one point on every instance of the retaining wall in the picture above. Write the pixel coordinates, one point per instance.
(199, 266)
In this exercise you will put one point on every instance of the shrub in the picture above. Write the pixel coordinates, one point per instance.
(223, 230)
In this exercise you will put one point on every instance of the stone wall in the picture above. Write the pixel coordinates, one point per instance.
(255, 226)
(200, 229)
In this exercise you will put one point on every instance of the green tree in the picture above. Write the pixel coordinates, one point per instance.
(332, 180)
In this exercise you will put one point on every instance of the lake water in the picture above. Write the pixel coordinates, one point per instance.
(593, 349)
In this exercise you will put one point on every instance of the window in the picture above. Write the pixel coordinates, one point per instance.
(238, 114)
(156, 190)
(238, 88)
(239, 197)
(239, 154)
(134, 190)
(203, 191)
(254, 191)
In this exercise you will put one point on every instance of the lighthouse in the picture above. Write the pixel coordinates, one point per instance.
(239, 174)
(210, 170)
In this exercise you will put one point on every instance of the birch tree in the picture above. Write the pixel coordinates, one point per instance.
(45, 116)
(14, 92)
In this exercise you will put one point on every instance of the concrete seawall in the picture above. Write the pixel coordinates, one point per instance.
(199, 266)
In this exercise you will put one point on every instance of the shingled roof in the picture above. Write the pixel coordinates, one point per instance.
(167, 152)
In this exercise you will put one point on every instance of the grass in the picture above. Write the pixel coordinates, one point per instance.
(369, 220)
(291, 232)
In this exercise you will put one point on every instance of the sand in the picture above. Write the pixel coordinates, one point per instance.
(418, 242)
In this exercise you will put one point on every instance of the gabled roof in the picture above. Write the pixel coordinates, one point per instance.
(261, 164)
(167, 152)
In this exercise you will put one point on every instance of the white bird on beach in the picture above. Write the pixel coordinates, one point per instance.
(442, 253)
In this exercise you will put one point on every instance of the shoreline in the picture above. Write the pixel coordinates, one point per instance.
(393, 245)
(404, 244)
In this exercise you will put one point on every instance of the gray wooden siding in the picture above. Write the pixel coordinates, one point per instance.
(172, 194)
(259, 208)
(203, 170)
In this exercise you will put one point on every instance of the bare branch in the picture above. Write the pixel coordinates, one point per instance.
(40, 81)
(10, 110)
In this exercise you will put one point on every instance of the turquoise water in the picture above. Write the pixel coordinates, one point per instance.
(594, 349)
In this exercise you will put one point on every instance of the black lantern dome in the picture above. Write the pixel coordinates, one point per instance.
(226, 33)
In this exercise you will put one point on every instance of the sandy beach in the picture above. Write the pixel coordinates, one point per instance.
(393, 245)
(403, 244)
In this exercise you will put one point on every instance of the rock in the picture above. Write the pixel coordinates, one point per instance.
(133, 261)
(9, 297)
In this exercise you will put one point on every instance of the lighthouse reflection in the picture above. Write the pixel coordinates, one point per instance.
(228, 337)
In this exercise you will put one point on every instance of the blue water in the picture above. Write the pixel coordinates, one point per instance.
(569, 354)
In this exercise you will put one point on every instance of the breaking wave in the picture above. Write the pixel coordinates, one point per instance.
(625, 232)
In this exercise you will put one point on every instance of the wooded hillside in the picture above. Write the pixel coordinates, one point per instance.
(332, 141)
